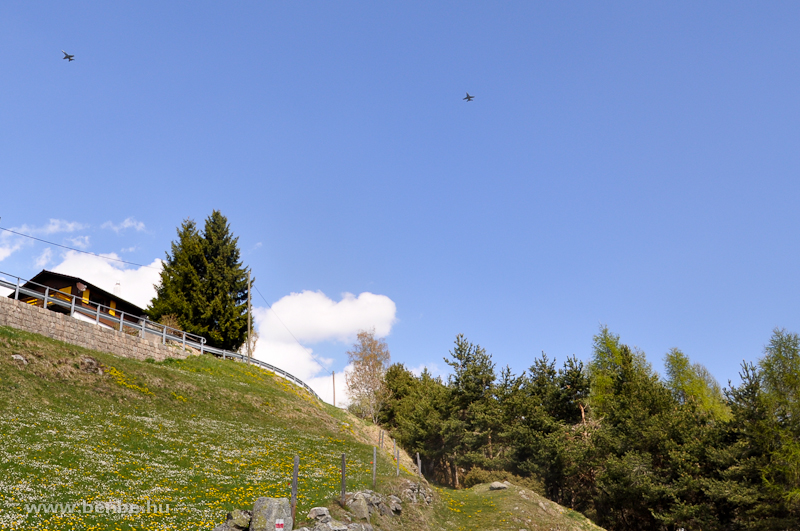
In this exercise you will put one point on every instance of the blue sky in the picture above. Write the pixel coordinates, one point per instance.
(623, 163)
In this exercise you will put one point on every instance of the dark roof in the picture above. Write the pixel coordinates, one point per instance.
(92, 287)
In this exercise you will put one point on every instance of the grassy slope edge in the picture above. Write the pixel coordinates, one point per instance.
(201, 435)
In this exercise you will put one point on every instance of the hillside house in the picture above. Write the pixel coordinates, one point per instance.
(88, 296)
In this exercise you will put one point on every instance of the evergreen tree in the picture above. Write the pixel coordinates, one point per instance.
(180, 294)
(225, 286)
(204, 285)
(689, 382)
(475, 413)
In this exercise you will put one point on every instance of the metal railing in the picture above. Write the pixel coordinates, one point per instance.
(139, 325)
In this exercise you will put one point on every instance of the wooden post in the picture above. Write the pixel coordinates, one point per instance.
(344, 476)
(419, 470)
(397, 459)
(374, 466)
(294, 485)
(333, 376)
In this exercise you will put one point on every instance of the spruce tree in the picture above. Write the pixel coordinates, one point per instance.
(204, 284)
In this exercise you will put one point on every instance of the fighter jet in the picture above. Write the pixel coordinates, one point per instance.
(469, 98)
(68, 56)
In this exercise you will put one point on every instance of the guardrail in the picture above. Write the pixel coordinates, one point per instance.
(139, 325)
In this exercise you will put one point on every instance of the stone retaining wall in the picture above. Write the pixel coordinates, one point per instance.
(22, 316)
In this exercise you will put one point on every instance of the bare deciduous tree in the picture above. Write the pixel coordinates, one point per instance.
(365, 383)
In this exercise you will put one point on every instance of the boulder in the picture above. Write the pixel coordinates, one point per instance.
(318, 512)
(17, 357)
(267, 511)
(496, 485)
(239, 519)
(333, 525)
(358, 506)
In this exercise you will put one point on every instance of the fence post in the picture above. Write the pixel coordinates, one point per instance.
(164, 335)
(202, 344)
(419, 469)
(374, 465)
(144, 327)
(72, 307)
(184, 341)
(16, 291)
(97, 317)
(294, 485)
(44, 301)
(397, 459)
(344, 476)
(121, 326)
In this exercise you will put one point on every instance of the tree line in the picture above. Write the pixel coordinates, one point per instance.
(612, 439)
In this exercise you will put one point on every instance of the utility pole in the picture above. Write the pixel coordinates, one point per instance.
(249, 319)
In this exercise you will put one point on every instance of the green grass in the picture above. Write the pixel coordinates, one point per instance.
(203, 436)
(511, 509)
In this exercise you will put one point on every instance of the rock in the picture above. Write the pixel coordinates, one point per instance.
(412, 490)
(358, 506)
(360, 527)
(395, 504)
(496, 485)
(318, 512)
(89, 364)
(239, 519)
(17, 357)
(333, 525)
(267, 511)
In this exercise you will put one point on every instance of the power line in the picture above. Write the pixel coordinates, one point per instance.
(78, 250)
(279, 319)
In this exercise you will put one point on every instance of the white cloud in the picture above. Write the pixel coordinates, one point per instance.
(59, 225)
(43, 259)
(129, 223)
(312, 318)
(137, 285)
(81, 242)
(7, 249)
(10, 243)
(433, 368)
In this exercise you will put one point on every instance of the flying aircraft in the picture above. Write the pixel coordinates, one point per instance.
(469, 98)
(68, 56)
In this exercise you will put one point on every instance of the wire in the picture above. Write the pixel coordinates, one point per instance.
(78, 250)
(279, 319)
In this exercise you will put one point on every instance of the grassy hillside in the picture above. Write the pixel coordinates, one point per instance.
(201, 435)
